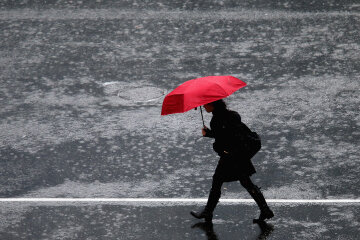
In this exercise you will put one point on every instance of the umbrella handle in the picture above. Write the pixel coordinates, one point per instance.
(202, 117)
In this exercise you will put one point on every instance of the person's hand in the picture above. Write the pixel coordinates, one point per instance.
(204, 130)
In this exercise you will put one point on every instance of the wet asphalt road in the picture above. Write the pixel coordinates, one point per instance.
(163, 222)
(81, 87)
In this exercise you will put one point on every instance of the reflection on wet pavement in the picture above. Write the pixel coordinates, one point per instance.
(208, 228)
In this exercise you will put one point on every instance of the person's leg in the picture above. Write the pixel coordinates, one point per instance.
(256, 194)
(215, 193)
(213, 199)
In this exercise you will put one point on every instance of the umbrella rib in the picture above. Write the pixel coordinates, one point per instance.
(216, 84)
(219, 86)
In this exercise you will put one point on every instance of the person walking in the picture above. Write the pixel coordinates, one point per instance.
(233, 165)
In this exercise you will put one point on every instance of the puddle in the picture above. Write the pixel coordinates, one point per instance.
(133, 93)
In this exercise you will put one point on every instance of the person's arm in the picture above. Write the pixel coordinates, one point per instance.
(206, 132)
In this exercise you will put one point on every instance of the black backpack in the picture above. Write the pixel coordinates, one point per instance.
(245, 141)
(250, 142)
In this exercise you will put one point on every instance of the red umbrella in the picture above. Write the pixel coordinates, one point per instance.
(197, 92)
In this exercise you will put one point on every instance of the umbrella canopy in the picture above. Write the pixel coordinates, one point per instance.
(197, 92)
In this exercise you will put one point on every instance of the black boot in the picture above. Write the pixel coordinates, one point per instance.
(265, 211)
(207, 213)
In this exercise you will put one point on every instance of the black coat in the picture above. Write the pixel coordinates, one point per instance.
(225, 128)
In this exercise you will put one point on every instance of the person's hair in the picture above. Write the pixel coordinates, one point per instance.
(220, 105)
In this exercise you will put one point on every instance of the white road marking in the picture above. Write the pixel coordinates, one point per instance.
(175, 200)
(109, 14)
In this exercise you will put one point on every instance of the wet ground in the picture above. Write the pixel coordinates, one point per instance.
(164, 222)
(81, 88)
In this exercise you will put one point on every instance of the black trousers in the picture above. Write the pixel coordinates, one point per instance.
(229, 171)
